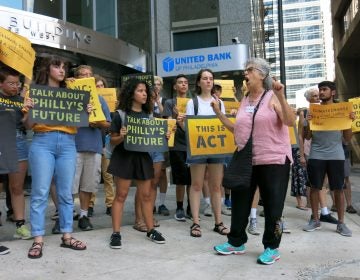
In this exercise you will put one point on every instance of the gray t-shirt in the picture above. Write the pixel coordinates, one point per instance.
(327, 145)
(180, 137)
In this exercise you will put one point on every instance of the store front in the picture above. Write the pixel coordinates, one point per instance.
(109, 57)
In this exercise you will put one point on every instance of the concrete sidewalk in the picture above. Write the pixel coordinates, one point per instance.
(322, 254)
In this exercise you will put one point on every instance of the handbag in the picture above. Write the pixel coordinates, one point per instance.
(237, 175)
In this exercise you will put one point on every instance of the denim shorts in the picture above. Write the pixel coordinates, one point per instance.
(157, 156)
(206, 160)
(21, 146)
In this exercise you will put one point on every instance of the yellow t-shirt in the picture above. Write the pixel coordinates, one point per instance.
(48, 128)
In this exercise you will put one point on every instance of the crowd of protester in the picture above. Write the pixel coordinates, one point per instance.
(68, 161)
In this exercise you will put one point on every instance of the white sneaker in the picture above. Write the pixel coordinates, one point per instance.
(252, 227)
(225, 211)
(208, 211)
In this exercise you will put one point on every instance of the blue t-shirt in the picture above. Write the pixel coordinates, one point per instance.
(89, 139)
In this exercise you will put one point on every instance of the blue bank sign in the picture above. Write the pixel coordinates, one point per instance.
(218, 59)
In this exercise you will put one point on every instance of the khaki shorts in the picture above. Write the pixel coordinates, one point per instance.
(88, 172)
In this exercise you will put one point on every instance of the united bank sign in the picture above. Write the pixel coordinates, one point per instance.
(218, 59)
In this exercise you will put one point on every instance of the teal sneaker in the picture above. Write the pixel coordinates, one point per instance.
(228, 249)
(269, 256)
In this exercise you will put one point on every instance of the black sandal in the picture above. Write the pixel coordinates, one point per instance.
(220, 228)
(72, 243)
(36, 248)
(195, 230)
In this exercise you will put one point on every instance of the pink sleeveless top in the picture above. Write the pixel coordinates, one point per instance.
(271, 141)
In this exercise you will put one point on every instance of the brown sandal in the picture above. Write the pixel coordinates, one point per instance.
(195, 230)
(221, 229)
(72, 243)
(140, 226)
(36, 248)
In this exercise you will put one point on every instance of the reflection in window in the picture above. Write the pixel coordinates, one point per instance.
(80, 12)
(105, 17)
(47, 8)
(15, 4)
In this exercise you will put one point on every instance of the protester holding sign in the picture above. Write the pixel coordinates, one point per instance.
(52, 155)
(125, 165)
(180, 171)
(89, 148)
(108, 178)
(327, 158)
(201, 105)
(271, 157)
(11, 100)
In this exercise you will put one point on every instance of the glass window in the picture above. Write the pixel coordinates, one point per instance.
(47, 8)
(105, 17)
(15, 4)
(195, 39)
(80, 12)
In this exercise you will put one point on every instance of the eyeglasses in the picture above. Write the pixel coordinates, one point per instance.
(252, 68)
(13, 84)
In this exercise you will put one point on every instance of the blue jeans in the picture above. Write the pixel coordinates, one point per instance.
(52, 154)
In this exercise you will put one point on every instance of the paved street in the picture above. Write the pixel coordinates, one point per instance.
(322, 254)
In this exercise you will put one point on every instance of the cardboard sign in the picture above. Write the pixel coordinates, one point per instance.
(171, 127)
(109, 95)
(231, 105)
(146, 135)
(356, 109)
(181, 104)
(293, 135)
(147, 77)
(16, 52)
(59, 106)
(207, 136)
(88, 84)
(331, 117)
(8, 154)
(227, 88)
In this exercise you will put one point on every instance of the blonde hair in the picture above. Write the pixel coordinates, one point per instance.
(158, 78)
(80, 67)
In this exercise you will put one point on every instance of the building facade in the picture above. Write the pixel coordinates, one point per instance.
(307, 47)
(120, 37)
(346, 33)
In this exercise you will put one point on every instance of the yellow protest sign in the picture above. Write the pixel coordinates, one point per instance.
(109, 95)
(171, 127)
(207, 136)
(88, 84)
(231, 105)
(227, 87)
(356, 109)
(181, 104)
(16, 52)
(331, 117)
(293, 135)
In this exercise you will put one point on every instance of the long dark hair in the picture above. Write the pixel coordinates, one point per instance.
(127, 96)
(42, 77)
(198, 78)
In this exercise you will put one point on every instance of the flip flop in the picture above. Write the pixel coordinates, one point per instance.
(301, 208)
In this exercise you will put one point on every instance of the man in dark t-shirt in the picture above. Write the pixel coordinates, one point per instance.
(180, 171)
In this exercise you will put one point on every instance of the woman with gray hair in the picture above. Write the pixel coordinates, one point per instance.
(265, 108)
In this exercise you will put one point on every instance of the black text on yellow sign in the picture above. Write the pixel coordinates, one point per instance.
(207, 136)
(59, 106)
(356, 109)
(146, 135)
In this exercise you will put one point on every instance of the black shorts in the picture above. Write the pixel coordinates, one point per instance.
(334, 169)
(131, 165)
(180, 171)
